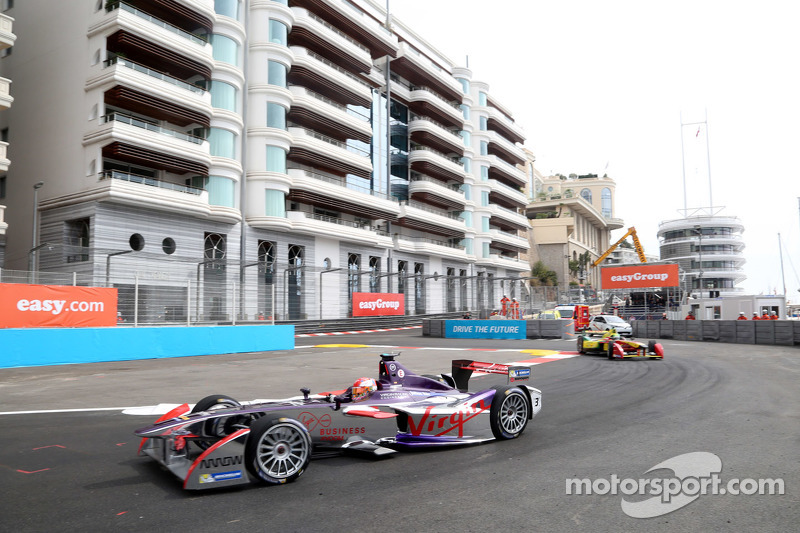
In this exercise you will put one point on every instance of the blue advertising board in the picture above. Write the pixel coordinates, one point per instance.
(484, 329)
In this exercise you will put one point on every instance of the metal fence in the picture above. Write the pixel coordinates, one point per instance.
(213, 291)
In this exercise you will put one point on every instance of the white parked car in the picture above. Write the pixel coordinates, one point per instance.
(606, 322)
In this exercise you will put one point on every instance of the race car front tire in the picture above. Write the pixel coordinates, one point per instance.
(610, 349)
(278, 450)
(581, 349)
(216, 427)
(509, 413)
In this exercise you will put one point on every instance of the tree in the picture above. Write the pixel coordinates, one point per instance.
(543, 275)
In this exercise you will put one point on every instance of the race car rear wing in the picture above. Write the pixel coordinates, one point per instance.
(463, 369)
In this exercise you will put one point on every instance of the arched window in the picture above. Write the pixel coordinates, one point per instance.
(586, 194)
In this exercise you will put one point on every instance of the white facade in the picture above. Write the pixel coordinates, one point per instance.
(254, 132)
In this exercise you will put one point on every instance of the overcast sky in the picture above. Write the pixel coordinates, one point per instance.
(604, 87)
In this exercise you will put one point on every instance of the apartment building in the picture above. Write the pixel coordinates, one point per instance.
(571, 216)
(189, 140)
(7, 39)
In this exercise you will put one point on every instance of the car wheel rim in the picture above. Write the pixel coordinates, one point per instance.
(282, 451)
(514, 413)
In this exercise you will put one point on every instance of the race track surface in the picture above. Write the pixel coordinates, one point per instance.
(68, 456)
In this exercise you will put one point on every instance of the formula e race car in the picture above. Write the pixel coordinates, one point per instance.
(221, 442)
(615, 347)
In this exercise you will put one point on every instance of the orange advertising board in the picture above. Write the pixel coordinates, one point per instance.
(378, 304)
(639, 276)
(39, 306)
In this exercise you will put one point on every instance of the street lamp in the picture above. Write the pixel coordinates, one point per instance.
(35, 229)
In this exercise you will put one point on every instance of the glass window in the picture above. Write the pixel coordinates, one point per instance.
(467, 164)
(223, 143)
(606, 202)
(278, 32)
(466, 216)
(484, 124)
(485, 224)
(464, 85)
(229, 8)
(465, 111)
(223, 95)
(221, 191)
(276, 74)
(484, 198)
(225, 49)
(482, 99)
(467, 138)
(276, 159)
(274, 203)
(586, 194)
(467, 244)
(484, 173)
(467, 188)
(276, 116)
(484, 148)
(486, 251)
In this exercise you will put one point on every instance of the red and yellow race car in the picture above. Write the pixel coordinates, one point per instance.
(615, 347)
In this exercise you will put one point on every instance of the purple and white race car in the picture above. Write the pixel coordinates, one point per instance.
(221, 442)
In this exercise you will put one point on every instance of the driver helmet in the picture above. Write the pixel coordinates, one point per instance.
(362, 388)
(613, 334)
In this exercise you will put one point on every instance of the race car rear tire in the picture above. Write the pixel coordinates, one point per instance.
(278, 450)
(580, 346)
(509, 413)
(651, 347)
(216, 427)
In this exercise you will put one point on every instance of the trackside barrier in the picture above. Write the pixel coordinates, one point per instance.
(780, 332)
(59, 346)
(534, 329)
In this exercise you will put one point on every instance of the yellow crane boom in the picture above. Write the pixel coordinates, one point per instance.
(636, 244)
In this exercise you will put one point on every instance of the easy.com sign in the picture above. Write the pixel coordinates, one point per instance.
(484, 329)
(37, 306)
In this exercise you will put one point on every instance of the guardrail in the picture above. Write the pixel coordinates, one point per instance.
(778, 332)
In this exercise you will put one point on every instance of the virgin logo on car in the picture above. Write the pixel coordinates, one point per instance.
(311, 421)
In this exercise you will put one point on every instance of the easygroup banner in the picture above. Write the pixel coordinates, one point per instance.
(639, 276)
(378, 304)
(38, 306)
(485, 329)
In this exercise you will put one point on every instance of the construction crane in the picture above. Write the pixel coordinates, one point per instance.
(636, 244)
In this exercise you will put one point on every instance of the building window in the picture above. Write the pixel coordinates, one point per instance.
(483, 100)
(353, 270)
(484, 173)
(168, 246)
(223, 143)
(464, 111)
(484, 198)
(274, 203)
(467, 162)
(467, 138)
(276, 73)
(220, 191)
(483, 124)
(402, 272)
(374, 274)
(484, 148)
(468, 245)
(485, 225)
(228, 8)
(225, 49)
(278, 32)
(77, 234)
(223, 95)
(464, 85)
(467, 188)
(586, 194)
(214, 246)
(276, 159)
(2, 187)
(486, 251)
(466, 216)
(276, 116)
(606, 202)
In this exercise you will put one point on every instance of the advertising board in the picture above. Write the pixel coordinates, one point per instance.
(38, 306)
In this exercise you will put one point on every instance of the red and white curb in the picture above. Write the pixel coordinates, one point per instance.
(355, 332)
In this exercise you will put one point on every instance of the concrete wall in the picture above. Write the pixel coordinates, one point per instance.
(783, 332)
(59, 346)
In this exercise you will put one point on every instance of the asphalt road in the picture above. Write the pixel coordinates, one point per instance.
(78, 471)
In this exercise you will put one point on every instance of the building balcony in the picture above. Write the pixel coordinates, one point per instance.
(150, 144)
(431, 247)
(420, 70)
(336, 193)
(509, 241)
(326, 78)
(7, 37)
(425, 102)
(4, 162)
(338, 228)
(505, 195)
(326, 116)
(551, 206)
(3, 223)
(428, 190)
(5, 94)
(506, 172)
(314, 33)
(355, 23)
(327, 154)
(705, 222)
(435, 164)
(143, 90)
(507, 219)
(428, 132)
(415, 215)
(502, 261)
(506, 127)
(505, 149)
